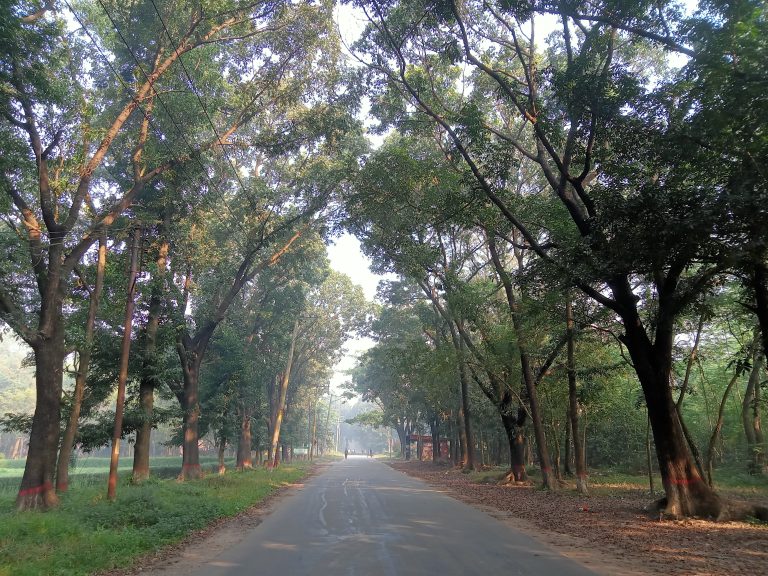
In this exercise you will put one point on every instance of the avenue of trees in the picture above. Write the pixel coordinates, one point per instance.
(571, 194)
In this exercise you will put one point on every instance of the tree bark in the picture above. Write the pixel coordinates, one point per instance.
(149, 371)
(547, 477)
(434, 426)
(684, 389)
(718, 428)
(750, 418)
(190, 463)
(68, 441)
(759, 281)
(468, 461)
(244, 442)
(125, 353)
(277, 417)
(222, 449)
(574, 408)
(37, 490)
(513, 426)
(568, 457)
(687, 494)
(400, 429)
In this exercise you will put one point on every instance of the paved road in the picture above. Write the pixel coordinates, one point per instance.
(362, 518)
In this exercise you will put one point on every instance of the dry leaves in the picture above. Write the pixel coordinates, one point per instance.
(611, 531)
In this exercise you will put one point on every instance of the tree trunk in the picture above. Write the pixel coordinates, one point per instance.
(718, 428)
(222, 449)
(750, 417)
(149, 372)
(684, 389)
(68, 441)
(573, 407)
(125, 353)
(547, 478)
(516, 439)
(568, 457)
(760, 286)
(244, 443)
(465, 421)
(687, 494)
(400, 429)
(648, 457)
(37, 490)
(277, 417)
(190, 464)
(434, 425)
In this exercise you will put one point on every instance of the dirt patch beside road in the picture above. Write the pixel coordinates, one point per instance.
(610, 532)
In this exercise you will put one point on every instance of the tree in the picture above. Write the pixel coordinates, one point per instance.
(72, 120)
(572, 115)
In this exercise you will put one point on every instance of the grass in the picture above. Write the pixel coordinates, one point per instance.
(731, 481)
(93, 471)
(88, 533)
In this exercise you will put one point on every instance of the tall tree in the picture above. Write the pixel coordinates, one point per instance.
(64, 122)
(572, 115)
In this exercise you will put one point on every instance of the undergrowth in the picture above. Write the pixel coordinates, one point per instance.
(88, 533)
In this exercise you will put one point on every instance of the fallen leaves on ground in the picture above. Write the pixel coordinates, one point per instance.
(611, 529)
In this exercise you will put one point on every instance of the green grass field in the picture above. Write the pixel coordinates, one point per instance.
(88, 533)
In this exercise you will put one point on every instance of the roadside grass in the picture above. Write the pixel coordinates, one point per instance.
(93, 471)
(733, 482)
(87, 533)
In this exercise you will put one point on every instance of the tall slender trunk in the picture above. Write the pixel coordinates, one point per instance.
(313, 436)
(568, 457)
(468, 462)
(400, 429)
(68, 441)
(718, 428)
(434, 425)
(149, 371)
(750, 417)
(648, 456)
(574, 409)
(548, 479)
(327, 424)
(222, 449)
(684, 389)
(125, 353)
(277, 419)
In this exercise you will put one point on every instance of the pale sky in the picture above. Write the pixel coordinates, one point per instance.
(346, 257)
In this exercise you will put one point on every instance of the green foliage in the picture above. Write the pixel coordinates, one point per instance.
(89, 533)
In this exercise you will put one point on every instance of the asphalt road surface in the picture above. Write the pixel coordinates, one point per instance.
(362, 518)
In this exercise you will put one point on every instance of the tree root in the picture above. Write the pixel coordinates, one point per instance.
(509, 480)
(719, 510)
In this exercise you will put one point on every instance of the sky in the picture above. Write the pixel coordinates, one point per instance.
(347, 257)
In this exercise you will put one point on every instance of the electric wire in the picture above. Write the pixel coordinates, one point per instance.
(179, 130)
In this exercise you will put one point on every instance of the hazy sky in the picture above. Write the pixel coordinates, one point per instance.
(345, 256)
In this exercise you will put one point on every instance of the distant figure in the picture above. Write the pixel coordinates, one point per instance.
(370, 453)
(346, 453)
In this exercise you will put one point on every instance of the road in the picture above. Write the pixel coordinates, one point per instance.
(362, 518)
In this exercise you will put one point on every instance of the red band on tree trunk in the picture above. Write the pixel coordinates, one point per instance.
(36, 490)
(684, 481)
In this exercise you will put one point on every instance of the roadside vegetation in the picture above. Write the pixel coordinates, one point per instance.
(570, 198)
(88, 533)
